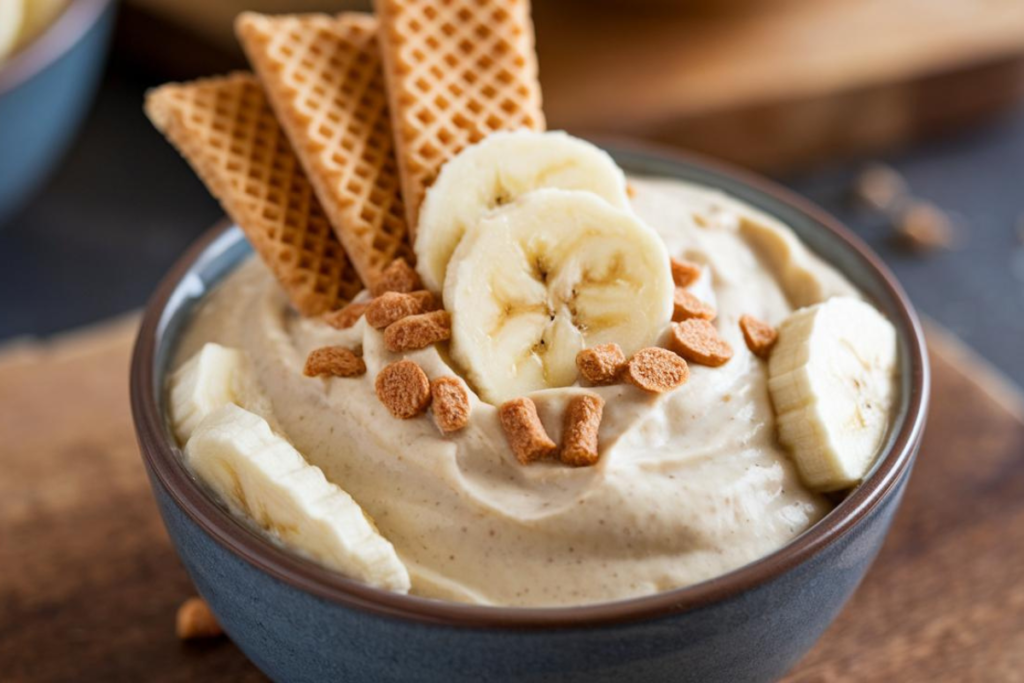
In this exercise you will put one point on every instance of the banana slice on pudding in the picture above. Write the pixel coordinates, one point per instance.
(831, 377)
(261, 476)
(496, 171)
(552, 273)
(209, 380)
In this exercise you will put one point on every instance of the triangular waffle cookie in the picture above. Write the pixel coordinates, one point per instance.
(323, 77)
(226, 130)
(456, 71)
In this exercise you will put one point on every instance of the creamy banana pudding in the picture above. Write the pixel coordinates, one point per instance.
(589, 389)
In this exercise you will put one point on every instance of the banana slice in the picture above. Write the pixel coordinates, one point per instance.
(260, 475)
(214, 377)
(832, 377)
(546, 276)
(494, 172)
(12, 18)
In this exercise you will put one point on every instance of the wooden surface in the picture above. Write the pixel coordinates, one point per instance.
(780, 84)
(770, 84)
(89, 583)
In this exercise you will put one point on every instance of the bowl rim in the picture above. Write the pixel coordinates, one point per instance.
(162, 463)
(58, 38)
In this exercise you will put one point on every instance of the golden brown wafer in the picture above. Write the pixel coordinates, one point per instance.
(226, 130)
(323, 77)
(455, 71)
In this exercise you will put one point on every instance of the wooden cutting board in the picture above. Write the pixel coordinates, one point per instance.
(770, 84)
(779, 84)
(89, 583)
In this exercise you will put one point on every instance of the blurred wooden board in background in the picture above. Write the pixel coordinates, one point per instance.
(777, 84)
(89, 582)
(770, 84)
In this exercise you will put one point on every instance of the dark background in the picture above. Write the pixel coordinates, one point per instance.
(123, 207)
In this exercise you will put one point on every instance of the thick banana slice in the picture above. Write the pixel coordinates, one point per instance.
(832, 381)
(548, 275)
(494, 172)
(214, 377)
(12, 18)
(260, 475)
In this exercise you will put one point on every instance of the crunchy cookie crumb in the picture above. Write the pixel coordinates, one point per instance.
(397, 277)
(404, 389)
(924, 227)
(601, 364)
(697, 341)
(524, 431)
(450, 403)
(195, 620)
(685, 305)
(656, 370)
(418, 331)
(684, 273)
(333, 361)
(760, 336)
(428, 302)
(880, 187)
(579, 437)
(391, 307)
(346, 317)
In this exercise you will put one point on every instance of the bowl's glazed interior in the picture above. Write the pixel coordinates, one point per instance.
(224, 248)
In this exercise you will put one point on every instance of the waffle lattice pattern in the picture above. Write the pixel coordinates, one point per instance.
(227, 132)
(324, 79)
(456, 70)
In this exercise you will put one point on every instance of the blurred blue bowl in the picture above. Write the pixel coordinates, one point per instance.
(45, 91)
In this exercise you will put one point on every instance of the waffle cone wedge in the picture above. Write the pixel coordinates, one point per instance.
(323, 77)
(455, 72)
(225, 129)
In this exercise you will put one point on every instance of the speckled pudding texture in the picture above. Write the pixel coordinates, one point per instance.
(690, 484)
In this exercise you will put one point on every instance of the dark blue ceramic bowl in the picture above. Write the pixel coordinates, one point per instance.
(299, 622)
(45, 91)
